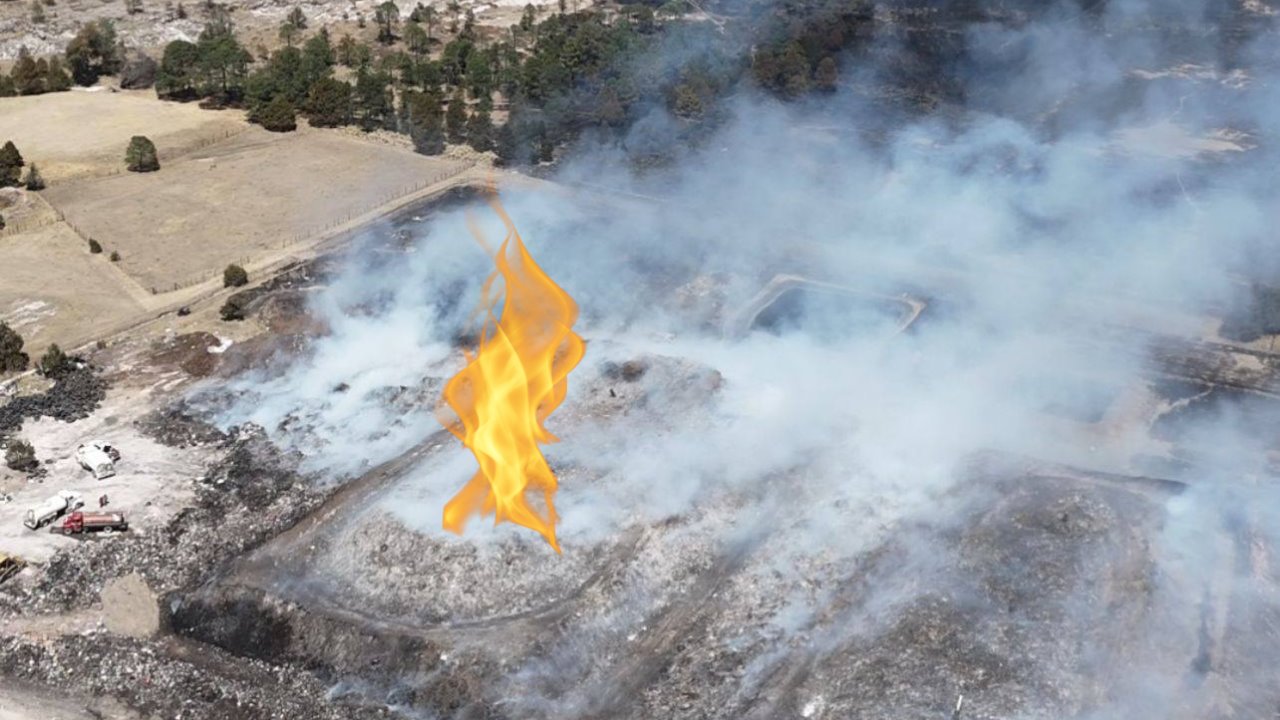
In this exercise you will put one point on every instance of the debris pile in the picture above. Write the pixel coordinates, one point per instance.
(176, 425)
(74, 396)
(159, 679)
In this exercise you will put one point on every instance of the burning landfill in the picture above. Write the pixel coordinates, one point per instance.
(886, 412)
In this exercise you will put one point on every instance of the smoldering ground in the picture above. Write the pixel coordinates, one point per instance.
(818, 510)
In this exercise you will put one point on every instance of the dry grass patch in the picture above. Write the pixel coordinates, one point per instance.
(250, 197)
(53, 290)
(81, 133)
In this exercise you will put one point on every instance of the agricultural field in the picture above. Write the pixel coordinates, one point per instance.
(238, 201)
(85, 132)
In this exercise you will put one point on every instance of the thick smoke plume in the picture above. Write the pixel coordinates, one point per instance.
(1105, 182)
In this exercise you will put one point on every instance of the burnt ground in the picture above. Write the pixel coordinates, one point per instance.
(1028, 588)
(1023, 592)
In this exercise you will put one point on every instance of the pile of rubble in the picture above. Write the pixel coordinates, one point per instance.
(74, 396)
(172, 680)
(176, 425)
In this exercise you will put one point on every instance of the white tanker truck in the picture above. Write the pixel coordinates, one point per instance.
(52, 509)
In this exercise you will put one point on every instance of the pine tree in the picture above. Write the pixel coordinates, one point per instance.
(387, 15)
(56, 78)
(54, 363)
(455, 118)
(27, 77)
(329, 103)
(480, 131)
(12, 359)
(11, 164)
(141, 155)
(279, 115)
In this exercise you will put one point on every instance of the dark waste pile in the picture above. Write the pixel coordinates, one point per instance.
(73, 396)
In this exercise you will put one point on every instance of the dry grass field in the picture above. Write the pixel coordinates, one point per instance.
(226, 192)
(53, 290)
(82, 133)
(250, 196)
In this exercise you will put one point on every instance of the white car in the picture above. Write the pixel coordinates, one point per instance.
(98, 458)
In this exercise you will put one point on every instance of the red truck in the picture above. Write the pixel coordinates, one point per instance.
(85, 522)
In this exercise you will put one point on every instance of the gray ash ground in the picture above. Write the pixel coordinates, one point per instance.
(174, 679)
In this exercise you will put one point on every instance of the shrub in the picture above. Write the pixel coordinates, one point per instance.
(20, 456)
(233, 308)
(141, 155)
(2, 223)
(34, 180)
(278, 115)
(234, 276)
(12, 359)
(54, 363)
(94, 247)
(115, 256)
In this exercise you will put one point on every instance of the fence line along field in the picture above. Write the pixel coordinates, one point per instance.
(249, 195)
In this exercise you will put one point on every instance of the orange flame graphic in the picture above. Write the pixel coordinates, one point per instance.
(513, 381)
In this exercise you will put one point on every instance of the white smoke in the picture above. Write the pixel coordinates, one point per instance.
(1047, 236)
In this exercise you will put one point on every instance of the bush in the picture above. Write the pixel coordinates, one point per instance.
(20, 456)
(2, 223)
(94, 247)
(12, 359)
(234, 276)
(54, 363)
(278, 115)
(34, 180)
(115, 256)
(141, 155)
(233, 308)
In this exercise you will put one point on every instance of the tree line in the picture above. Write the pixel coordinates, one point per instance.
(431, 75)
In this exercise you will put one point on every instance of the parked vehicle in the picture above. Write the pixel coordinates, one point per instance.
(78, 523)
(10, 565)
(52, 509)
(99, 459)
